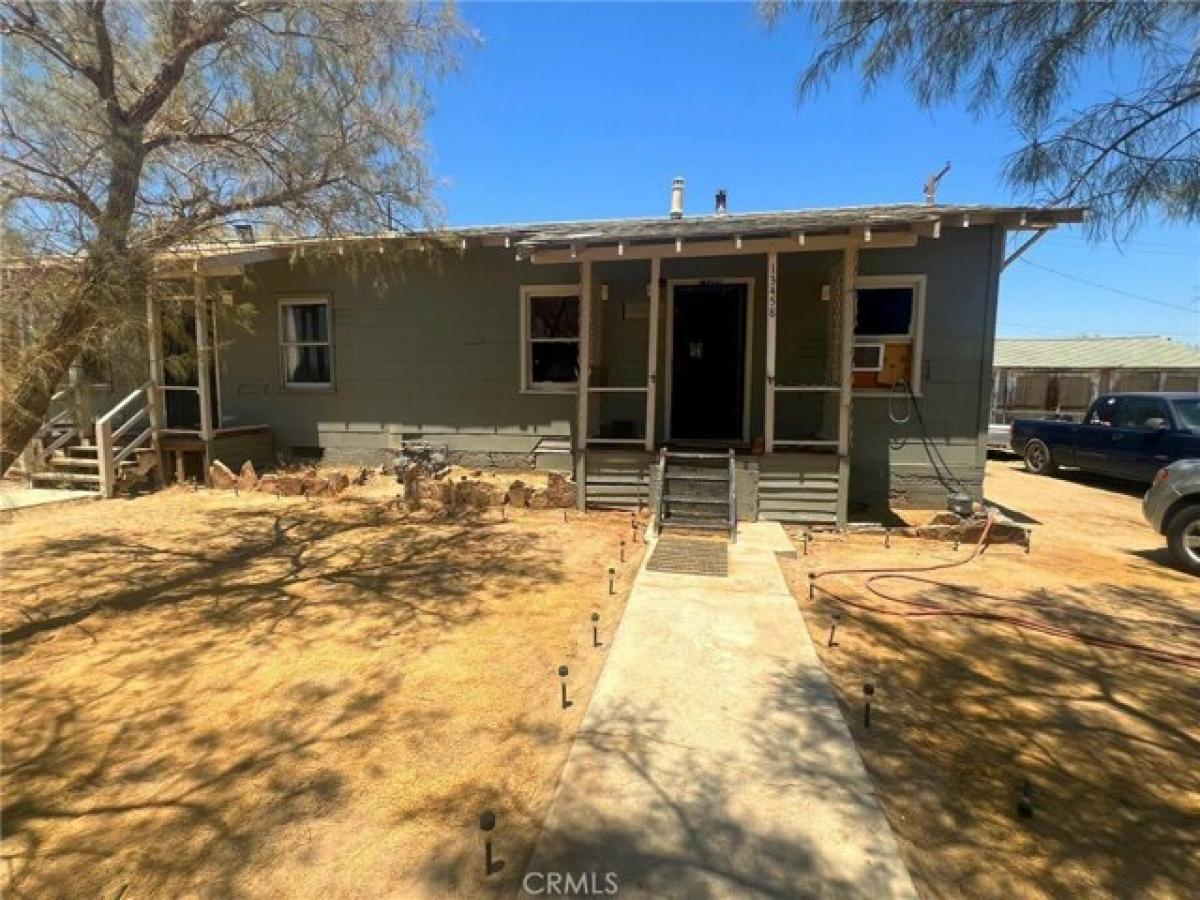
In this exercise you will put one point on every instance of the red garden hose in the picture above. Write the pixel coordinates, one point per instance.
(924, 609)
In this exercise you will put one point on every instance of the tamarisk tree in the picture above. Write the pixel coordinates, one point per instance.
(133, 127)
(1134, 151)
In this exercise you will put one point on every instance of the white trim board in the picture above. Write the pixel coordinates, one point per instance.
(748, 353)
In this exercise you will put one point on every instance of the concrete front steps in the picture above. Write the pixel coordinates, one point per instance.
(698, 492)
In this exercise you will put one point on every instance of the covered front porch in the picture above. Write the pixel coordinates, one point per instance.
(745, 344)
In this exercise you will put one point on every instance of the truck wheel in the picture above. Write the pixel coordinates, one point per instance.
(1037, 458)
(1183, 537)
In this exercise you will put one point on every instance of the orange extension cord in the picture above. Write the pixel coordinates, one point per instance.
(921, 609)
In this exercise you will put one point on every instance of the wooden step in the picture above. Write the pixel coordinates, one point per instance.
(673, 522)
(720, 480)
(71, 462)
(800, 518)
(71, 477)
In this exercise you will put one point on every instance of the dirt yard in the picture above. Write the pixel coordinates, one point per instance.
(966, 712)
(215, 696)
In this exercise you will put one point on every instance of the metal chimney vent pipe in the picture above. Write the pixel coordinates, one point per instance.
(677, 199)
(722, 198)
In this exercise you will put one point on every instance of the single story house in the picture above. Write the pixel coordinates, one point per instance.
(844, 355)
(1039, 377)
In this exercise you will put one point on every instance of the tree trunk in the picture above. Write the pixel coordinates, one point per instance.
(23, 409)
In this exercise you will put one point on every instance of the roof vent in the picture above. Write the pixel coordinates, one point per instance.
(677, 199)
(722, 197)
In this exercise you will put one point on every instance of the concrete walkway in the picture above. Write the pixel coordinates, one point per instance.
(713, 760)
(14, 497)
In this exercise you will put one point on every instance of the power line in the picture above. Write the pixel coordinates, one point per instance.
(1111, 290)
(1124, 247)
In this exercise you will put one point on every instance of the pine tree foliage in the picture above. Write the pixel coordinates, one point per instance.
(1125, 156)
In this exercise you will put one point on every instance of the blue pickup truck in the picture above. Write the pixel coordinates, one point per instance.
(1125, 435)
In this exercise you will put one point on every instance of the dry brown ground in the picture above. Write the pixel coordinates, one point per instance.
(966, 711)
(218, 696)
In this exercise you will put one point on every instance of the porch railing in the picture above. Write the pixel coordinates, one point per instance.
(775, 390)
(139, 410)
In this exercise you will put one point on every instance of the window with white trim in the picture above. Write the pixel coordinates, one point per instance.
(305, 343)
(887, 332)
(550, 338)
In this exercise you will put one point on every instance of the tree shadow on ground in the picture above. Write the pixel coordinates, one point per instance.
(965, 713)
(679, 825)
(181, 703)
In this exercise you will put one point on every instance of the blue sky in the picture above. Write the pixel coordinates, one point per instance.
(581, 111)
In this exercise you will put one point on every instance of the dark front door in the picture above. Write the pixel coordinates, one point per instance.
(707, 362)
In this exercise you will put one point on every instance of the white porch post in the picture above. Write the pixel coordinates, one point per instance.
(204, 357)
(81, 401)
(585, 365)
(652, 363)
(849, 269)
(772, 323)
(154, 407)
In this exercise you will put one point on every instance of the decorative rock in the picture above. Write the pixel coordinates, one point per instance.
(338, 482)
(268, 484)
(411, 479)
(461, 495)
(221, 476)
(946, 518)
(518, 494)
(560, 493)
(247, 477)
(315, 486)
(290, 485)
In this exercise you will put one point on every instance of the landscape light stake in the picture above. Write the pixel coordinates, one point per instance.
(812, 585)
(504, 510)
(612, 577)
(562, 673)
(595, 629)
(837, 617)
(887, 538)
(564, 516)
(622, 551)
(487, 822)
(868, 692)
(806, 539)
(956, 545)
(1028, 538)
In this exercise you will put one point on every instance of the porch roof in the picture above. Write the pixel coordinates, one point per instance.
(844, 219)
(222, 257)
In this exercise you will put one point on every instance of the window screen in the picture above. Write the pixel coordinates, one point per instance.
(304, 342)
(884, 311)
(553, 335)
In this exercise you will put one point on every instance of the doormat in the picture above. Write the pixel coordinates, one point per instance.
(684, 557)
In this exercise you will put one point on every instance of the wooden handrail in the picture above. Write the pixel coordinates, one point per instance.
(132, 446)
(133, 395)
(129, 423)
